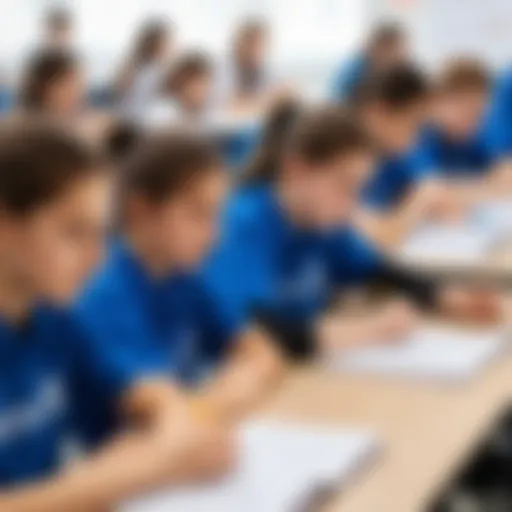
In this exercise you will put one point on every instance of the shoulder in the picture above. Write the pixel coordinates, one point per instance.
(59, 334)
(108, 289)
(248, 209)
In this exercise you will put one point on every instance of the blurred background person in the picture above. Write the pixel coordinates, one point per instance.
(387, 46)
(245, 81)
(185, 94)
(140, 78)
(58, 29)
(53, 84)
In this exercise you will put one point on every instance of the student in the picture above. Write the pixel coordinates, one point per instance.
(54, 198)
(287, 245)
(186, 100)
(498, 129)
(186, 93)
(139, 80)
(147, 306)
(245, 82)
(392, 105)
(58, 29)
(53, 85)
(386, 47)
(452, 144)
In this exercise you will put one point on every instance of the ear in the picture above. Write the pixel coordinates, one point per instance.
(9, 223)
(137, 209)
(292, 165)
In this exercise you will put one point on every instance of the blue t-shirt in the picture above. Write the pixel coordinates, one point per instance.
(264, 261)
(394, 177)
(438, 154)
(143, 327)
(39, 409)
(349, 77)
(498, 126)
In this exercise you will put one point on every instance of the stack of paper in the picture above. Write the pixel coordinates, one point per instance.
(496, 216)
(279, 470)
(449, 244)
(436, 353)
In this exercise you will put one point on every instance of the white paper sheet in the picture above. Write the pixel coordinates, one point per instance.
(280, 468)
(435, 353)
(496, 216)
(449, 244)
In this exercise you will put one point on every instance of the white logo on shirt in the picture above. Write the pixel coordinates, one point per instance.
(47, 404)
(307, 281)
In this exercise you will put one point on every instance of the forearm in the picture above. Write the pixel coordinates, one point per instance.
(253, 368)
(387, 229)
(124, 468)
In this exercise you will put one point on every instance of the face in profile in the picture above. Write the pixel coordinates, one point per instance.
(331, 191)
(252, 50)
(396, 130)
(185, 226)
(391, 54)
(54, 248)
(65, 94)
(196, 94)
(461, 114)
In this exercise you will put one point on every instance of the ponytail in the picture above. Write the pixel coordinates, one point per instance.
(316, 136)
(267, 157)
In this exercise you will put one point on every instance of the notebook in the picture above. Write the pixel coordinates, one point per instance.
(449, 244)
(432, 353)
(280, 468)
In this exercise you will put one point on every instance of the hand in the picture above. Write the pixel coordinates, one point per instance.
(501, 179)
(390, 324)
(198, 448)
(395, 321)
(471, 304)
(446, 202)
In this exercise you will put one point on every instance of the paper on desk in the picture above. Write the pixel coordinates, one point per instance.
(496, 216)
(279, 469)
(436, 353)
(449, 244)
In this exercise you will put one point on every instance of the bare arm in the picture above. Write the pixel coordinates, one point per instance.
(252, 370)
(132, 464)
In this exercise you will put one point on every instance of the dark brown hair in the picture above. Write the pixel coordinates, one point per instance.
(250, 30)
(45, 68)
(58, 19)
(463, 74)
(38, 161)
(149, 38)
(189, 66)
(163, 164)
(397, 87)
(275, 131)
(386, 34)
(316, 136)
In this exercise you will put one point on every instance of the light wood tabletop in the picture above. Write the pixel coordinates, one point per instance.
(427, 430)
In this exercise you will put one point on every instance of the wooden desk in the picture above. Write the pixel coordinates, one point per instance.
(427, 430)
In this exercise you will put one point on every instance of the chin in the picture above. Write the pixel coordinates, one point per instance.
(61, 297)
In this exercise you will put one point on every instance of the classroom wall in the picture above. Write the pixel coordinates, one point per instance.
(446, 27)
(311, 36)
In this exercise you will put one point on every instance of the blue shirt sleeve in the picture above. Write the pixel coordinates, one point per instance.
(393, 180)
(238, 276)
(353, 259)
(498, 125)
(117, 345)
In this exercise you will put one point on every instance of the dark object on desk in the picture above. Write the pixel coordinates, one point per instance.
(485, 484)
